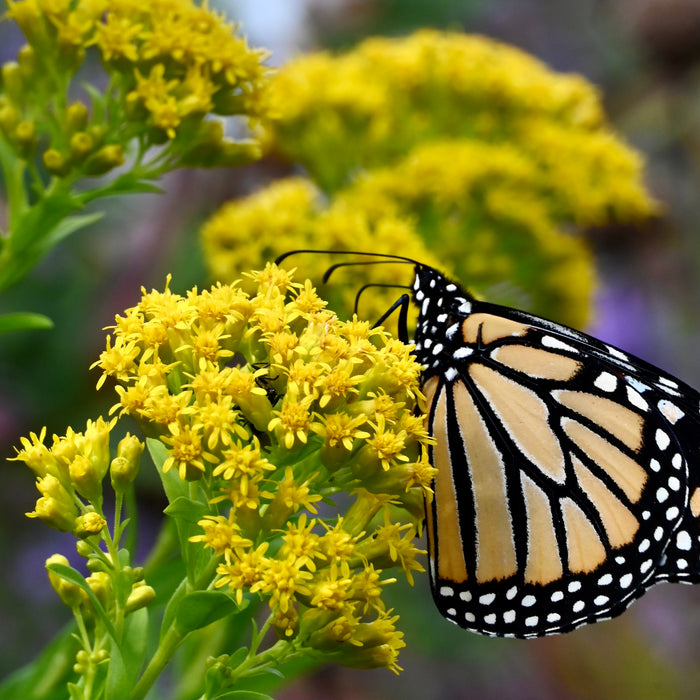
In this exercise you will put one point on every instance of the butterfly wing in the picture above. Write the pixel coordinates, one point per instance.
(564, 487)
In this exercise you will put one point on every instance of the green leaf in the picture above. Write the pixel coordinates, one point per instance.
(186, 510)
(65, 227)
(200, 608)
(24, 321)
(117, 676)
(172, 607)
(173, 485)
(125, 665)
(45, 677)
(243, 695)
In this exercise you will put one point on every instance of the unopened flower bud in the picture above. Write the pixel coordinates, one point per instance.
(125, 466)
(9, 119)
(141, 595)
(101, 585)
(104, 160)
(27, 62)
(71, 594)
(95, 445)
(89, 524)
(76, 117)
(25, 137)
(83, 548)
(85, 479)
(81, 145)
(55, 162)
(12, 82)
(54, 514)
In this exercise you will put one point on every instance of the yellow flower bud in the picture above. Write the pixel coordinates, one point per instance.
(55, 162)
(141, 595)
(95, 445)
(101, 585)
(51, 486)
(28, 17)
(88, 525)
(25, 137)
(104, 160)
(9, 119)
(81, 146)
(54, 514)
(131, 449)
(12, 82)
(76, 117)
(27, 62)
(83, 548)
(85, 478)
(71, 594)
(125, 466)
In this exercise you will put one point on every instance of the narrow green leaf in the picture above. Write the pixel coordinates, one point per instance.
(118, 685)
(243, 695)
(24, 321)
(66, 227)
(172, 607)
(47, 675)
(173, 485)
(130, 656)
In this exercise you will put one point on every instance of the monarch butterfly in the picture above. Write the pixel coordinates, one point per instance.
(568, 478)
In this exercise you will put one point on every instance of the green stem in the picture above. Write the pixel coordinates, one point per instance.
(167, 647)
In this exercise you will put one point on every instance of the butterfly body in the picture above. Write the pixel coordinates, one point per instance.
(567, 469)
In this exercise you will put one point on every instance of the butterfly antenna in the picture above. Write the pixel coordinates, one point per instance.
(320, 251)
(375, 284)
(401, 303)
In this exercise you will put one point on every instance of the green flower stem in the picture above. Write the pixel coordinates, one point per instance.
(13, 174)
(167, 647)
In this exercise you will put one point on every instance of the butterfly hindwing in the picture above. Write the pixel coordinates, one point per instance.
(563, 488)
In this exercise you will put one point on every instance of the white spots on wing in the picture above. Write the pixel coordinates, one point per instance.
(618, 354)
(606, 382)
(635, 398)
(662, 439)
(551, 342)
(461, 353)
(683, 541)
(451, 374)
(465, 307)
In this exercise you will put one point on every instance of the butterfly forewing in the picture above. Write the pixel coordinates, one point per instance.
(563, 488)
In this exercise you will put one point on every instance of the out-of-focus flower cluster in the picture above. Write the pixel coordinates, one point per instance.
(487, 158)
(167, 64)
(291, 214)
(286, 417)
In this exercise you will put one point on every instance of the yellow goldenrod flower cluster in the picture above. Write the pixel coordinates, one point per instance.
(370, 106)
(168, 64)
(291, 214)
(488, 159)
(300, 432)
(70, 475)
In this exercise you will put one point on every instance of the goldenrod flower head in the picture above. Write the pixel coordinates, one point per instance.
(450, 148)
(275, 408)
(291, 214)
(265, 411)
(169, 65)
